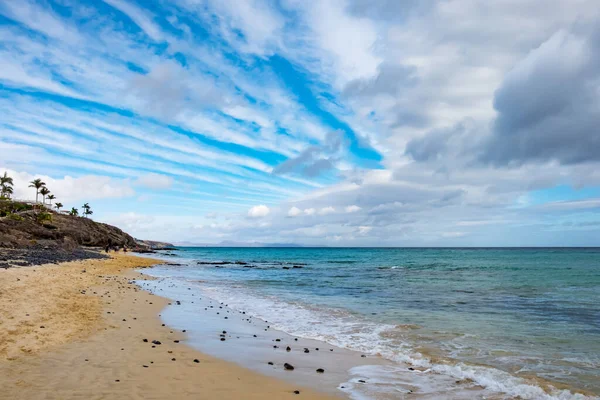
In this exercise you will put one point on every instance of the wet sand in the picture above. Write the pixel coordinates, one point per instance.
(77, 330)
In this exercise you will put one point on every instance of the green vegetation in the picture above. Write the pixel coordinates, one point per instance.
(37, 184)
(6, 186)
(58, 206)
(87, 210)
(44, 192)
(44, 216)
(74, 212)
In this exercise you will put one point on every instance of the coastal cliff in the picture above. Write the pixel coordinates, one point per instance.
(64, 231)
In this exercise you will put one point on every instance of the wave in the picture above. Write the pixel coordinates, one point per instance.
(347, 330)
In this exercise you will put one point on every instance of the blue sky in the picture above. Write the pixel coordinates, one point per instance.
(341, 122)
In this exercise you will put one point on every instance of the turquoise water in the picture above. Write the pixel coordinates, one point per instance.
(500, 317)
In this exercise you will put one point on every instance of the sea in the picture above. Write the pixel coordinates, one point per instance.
(509, 322)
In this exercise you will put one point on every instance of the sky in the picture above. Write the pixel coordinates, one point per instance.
(320, 123)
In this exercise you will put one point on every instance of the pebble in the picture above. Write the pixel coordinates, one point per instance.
(288, 348)
(270, 363)
(320, 370)
(296, 392)
(196, 360)
(306, 350)
(288, 367)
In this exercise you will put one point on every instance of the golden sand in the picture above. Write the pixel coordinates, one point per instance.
(76, 330)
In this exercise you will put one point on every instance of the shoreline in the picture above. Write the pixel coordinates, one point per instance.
(77, 329)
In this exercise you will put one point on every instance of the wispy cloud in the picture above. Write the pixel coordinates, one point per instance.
(346, 122)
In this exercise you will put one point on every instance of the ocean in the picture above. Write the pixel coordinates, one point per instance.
(513, 322)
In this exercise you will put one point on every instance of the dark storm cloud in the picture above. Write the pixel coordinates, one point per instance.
(549, 104)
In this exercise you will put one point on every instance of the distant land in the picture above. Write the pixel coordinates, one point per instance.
(230, 243)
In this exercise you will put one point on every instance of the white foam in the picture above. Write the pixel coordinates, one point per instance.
(343, 329)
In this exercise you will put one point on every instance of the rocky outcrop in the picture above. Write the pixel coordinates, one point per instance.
(64, 231)
(154, 245)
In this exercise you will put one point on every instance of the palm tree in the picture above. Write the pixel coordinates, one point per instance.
(6, 191)
(74, 212)
(6, 183)
(44, 192)
(51, 197)
(37, 184)
(58, 206)
(87, 210)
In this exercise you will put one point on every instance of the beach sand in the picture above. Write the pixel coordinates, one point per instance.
(76, 331)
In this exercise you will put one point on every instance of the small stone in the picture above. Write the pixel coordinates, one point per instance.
(222, 339)
(270, 363)
(42, 326)
(196, 361)
(172, 359)
(363, 356)
(296, 339)
(278, 340)
(306, 350)
(145, 340)
(117, 380)
(175, 341)
(411, 369)
(288, 348)
(320, 370)
(288, 367)
(296, 392)
(156, 342)
(362, 381)
(145, 366)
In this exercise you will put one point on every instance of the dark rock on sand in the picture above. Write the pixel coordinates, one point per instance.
(320, 370)
(196, 360)
(288, 367)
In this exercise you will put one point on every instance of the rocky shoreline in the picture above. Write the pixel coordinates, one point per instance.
(38, 255)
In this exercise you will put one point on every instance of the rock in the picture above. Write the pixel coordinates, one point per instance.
(278, 340)
(222, 339)
(175, 341)
(306, 350)
(286, 267)
(270, 363)
(156, 342)
(297, 266)
(320, 370)
(196, 360)
(288, 367)
(411, 369)
(362, 381)
(173, 359)
(363, 356)
(288, 348)
(296, 392)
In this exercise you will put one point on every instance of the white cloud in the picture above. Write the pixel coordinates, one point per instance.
(310, 211)
(259, 211)
(155, 181)
(294, 212)
(326, 210)
(140, 17)
(352, 209)
(69, 189)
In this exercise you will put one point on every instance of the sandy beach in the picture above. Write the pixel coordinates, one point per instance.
(84, 330)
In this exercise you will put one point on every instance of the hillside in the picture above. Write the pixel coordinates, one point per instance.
(25, 229)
